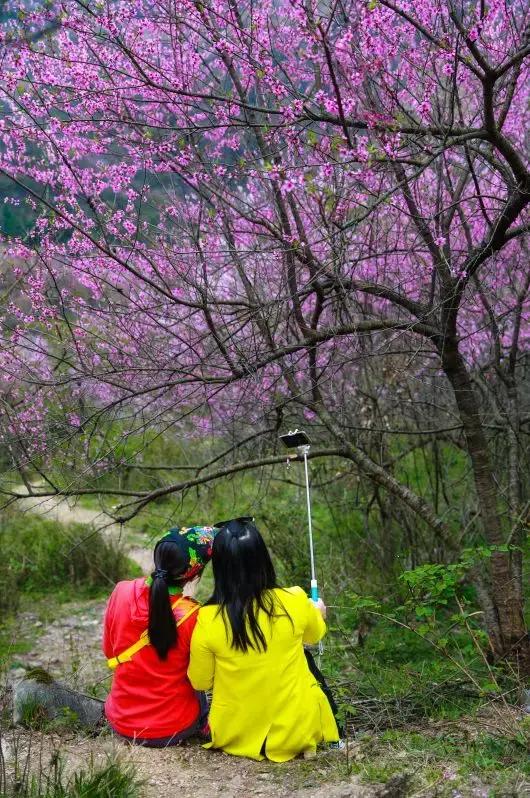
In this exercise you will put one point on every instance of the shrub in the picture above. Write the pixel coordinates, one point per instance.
(113, 779)
(41, 555)
(33, 715)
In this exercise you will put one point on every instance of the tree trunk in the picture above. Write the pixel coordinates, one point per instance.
(514, 482)
(504, 615)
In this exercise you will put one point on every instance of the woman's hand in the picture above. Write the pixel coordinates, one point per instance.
(319, 604)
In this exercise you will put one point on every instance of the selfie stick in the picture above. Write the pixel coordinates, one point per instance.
(299, 440)
(314, 585)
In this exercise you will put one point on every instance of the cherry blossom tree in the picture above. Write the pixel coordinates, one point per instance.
(244, 216)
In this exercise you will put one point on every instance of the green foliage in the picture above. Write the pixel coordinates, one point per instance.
(39, 675)
(287, 544)
(440, 601)
(13, 640)
(18, 219)
(451, 757)
(440, 582)
(358, 541)
(66, 721)
(113, 779)
(33, 714)
(418, 657)
(42, 556)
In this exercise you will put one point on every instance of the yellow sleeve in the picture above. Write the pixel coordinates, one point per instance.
(202, 661)
(315, 628)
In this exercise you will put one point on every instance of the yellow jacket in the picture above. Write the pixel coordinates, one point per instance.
(268, 697)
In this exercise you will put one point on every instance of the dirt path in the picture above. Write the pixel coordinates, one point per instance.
(69, 648)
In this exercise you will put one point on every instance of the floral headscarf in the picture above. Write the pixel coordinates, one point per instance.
(195, 543)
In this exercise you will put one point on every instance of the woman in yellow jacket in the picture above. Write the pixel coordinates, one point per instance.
(247, 647)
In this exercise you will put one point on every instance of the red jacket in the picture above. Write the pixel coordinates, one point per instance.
(149, 697)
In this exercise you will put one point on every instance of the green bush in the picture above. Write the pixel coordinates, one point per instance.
(40, 555)
(113, 779)
(33, 715)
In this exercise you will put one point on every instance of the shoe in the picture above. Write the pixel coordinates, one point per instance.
(338, 745)
(309, 754)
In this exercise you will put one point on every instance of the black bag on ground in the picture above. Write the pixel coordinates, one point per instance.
(319, 676)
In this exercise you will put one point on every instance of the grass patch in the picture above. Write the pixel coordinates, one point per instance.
(40, 556)
(397, 678)
(45, 564)
(113, 779)
(13, 639)
(483, 759)
(35, 715)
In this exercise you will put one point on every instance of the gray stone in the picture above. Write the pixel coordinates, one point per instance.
(15, 675)
(53, 698)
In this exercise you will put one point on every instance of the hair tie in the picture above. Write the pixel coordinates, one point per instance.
(160, 573)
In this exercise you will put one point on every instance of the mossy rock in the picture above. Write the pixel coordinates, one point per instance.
(36, 703)
(39, 675)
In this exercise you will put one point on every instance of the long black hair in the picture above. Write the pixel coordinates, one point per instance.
(244, 576)
(170, 564)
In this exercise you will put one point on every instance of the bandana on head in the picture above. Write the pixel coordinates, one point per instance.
(196, 543)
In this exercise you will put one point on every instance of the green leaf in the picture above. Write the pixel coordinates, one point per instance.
(489, 687)
(423, 611)
(336, 143)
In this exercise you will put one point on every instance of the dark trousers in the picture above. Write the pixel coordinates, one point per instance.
(197, 729)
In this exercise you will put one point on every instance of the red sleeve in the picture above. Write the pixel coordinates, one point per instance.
(108, 618)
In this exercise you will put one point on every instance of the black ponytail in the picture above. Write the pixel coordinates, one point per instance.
(170, 563)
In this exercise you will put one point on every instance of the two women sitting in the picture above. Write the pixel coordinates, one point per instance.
(245, 645)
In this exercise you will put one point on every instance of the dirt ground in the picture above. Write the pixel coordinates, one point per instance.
(191, 772)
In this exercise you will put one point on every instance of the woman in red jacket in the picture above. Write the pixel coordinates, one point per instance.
(147, 632)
